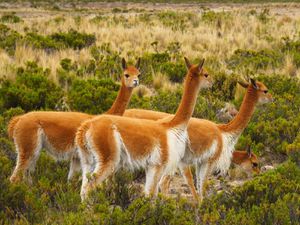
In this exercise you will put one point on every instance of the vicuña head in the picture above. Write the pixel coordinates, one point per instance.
(131, 74)
(199, 72)
(259, 89)
(247, 160)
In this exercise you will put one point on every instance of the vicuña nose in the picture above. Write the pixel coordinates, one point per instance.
(136, 82)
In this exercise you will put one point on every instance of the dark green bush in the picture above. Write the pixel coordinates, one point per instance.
(175, 20)
(8, 39)
(258, 59)
(74, 39)
(92, 96)
(71, 39)
(174, 71)
(271, 197)
(32, 89)
(10, 18)
(216, 18)
(42, 42)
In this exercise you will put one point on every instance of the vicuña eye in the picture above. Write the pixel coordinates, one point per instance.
(126, 75)
(254, 165)
(266, 91)
(139, 75)
(206, 75)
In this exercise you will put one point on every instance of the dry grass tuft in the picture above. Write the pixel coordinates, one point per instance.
(289, 67)
(142, 91)
(160, 81)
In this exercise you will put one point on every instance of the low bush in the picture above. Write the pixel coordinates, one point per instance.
(271, 197)
(71, 39)
(8, 39)
(32, 89)
(92, 96)
(257, 59)
(10, 18)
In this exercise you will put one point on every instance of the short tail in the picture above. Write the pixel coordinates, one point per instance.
(80, 138)
(11, 126)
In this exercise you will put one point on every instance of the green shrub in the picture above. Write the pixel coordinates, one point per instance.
(257, 59)
(174, 71)
(32, 89)
(212, 17)
(293, 150)
(71, 39)
(74, 39)
(10, 18)
(92, 96)
(271, 197)
(42, 42)
(175, 20)
(8, 39)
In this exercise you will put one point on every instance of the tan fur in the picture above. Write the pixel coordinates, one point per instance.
(202, 133)
(56, 130)
(112, 140)
(11, 126)
(249, 162)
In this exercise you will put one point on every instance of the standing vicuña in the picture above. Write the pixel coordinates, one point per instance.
(157, 146)
(56, 131)
(211, 145)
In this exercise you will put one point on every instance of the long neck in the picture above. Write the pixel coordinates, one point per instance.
(241, 120)
(121, 102)
(188, 102)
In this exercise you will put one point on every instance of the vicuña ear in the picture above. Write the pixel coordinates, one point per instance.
(124, 64)
(138, 63)
(253, 82)
(187, 63)
(248, 149)
(243, 84)
(200, 65)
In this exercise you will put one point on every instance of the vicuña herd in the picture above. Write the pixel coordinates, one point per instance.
(155, 141)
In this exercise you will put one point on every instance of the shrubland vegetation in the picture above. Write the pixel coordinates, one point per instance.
(73, 62)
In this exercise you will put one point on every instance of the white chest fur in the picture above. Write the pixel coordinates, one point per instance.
(224, 161)
(177, 138)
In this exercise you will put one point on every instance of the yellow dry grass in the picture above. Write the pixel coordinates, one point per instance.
(126, 33)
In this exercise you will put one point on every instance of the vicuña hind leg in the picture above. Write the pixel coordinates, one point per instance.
(202, 172)
(28, 148)
(74, 166)
(164, 184)
(86, 165)
(153, 176)
(106, 160)
(188, 177)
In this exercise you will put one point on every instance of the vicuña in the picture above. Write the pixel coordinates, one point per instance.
(157, 146)
(211, 145)
(247, 160)
(55, 131)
